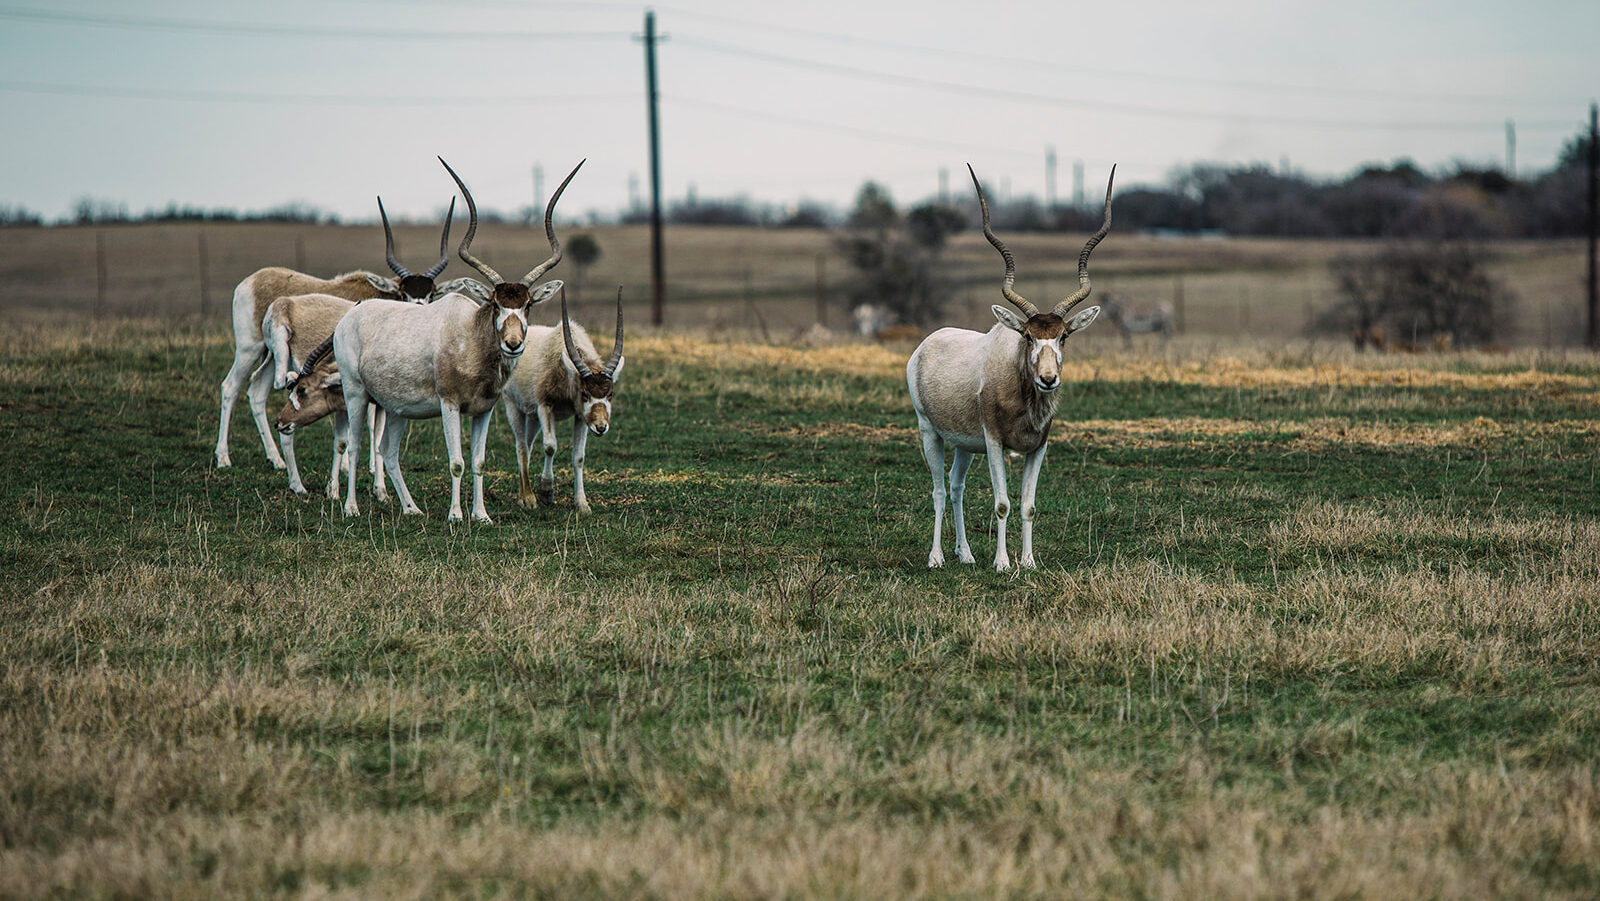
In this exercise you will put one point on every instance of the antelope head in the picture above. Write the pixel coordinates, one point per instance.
(512, 299)
(594, 388)
(311, 398)
(419, 287)
(1043, 333)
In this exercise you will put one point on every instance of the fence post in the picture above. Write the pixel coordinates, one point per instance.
(205, 279)
(100, 273)
(1177, 304)
(822, 290)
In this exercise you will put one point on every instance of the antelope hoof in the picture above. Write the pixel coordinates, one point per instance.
(1002, 564)
(350, 509)
(583, 507)
(414, 510)
(936, 560)
(965, 555)
(482, 518)
(223, 462)
(527, 502)
(299, 490)
(546, 496)
(1027, 562)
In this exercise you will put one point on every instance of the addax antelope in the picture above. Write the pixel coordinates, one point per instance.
(448, 358)
(995, 391)
(563, 379)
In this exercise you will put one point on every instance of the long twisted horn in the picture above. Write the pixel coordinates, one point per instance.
(550, 230)
(388, 244)
(566, 335)
(616, 349)
(1083, 256)
(313, 358)
(1016, 299)
(472, 229)
(444, 244)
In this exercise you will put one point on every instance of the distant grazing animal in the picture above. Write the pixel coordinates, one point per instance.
(995, 391)
(1138, 319)
(878, 322)
(562, 379)
(446, 359)
(260, 288)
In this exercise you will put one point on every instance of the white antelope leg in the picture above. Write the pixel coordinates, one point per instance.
(450, 414)
(933, 452)
(580, 440)
(245, 362)
(521, 433)
(958, 489)
(287, 443)
(1002, 506)
(341, 443)
(377, 417)
(394, 430)
(355, 409)
(480, 443)
(1030, 485)
(256, 393)
(547, 479)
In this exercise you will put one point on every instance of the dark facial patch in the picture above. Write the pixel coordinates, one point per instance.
(597, 385)
(418, 287)
(511, 295)
(1045, 326)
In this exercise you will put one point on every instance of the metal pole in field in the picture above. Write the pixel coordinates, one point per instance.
(822, 290)
(100, 272)
(205, 279)
(1511, 150)
(657, 263)
(1594, 223)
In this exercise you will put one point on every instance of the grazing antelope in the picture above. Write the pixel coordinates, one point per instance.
(294, 327)
(260, 288)
(563, 379)
(990, 392)
(1138, 319)
(448, 358)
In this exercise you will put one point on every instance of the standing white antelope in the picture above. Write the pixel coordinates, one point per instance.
(564, 378)
(260, 288)
(450, 357)
(995, 391)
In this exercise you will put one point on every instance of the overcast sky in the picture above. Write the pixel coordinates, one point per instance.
(251, 105)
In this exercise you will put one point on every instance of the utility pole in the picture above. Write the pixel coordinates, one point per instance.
(1050, 178)
(1511, 150)
(944, 185)
(1594, 223)
(1077, 184)
(657, 262)
(538, 192)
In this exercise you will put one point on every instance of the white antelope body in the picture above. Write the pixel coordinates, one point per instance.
(563, 378)
(992, 392)
(446, 359)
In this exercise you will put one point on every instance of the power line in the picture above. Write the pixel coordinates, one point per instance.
(1127, 74)
(465, 100)
(338, 32)
(819, 125)
(1108, 107)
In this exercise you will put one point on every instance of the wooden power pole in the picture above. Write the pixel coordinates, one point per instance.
(1594, 223)
(657, 262)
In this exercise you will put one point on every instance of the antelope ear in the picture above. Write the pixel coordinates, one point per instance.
(1082, 320)
(1009, 319)
(388, 286)
(617, 373)
(545, 291)
(467, 287)
(333, 381)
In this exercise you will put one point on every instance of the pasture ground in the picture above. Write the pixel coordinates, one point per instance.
(1308, 624)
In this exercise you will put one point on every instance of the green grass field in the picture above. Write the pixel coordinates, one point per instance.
(1307, 624)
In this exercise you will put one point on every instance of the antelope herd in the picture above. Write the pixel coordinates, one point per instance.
(412, 348)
